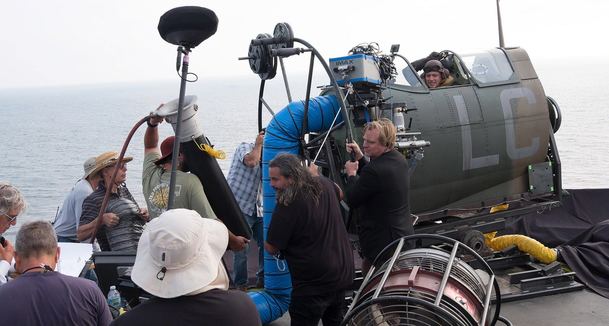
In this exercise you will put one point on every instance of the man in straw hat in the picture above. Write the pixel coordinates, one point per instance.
(124, 220)
(179, 262)
(68, 218)
(189, 190)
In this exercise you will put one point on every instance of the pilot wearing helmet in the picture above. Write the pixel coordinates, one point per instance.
(435, 75)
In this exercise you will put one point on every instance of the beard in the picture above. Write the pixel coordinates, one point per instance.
(286, 195)
(184, 166)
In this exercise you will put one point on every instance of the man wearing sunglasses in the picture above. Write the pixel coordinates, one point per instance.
(123, 220)
(12, 204)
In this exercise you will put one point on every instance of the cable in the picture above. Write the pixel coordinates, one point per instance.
(327, 134)
(504, 320)
(188, 80)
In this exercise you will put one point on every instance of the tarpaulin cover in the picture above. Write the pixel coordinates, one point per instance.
(580, 229)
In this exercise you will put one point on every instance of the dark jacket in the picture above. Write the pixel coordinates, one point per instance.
(380, 191)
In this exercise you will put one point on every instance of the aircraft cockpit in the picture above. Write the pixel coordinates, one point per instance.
(489, 67)
(485, 68)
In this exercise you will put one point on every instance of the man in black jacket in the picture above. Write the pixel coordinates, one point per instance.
(378, 187)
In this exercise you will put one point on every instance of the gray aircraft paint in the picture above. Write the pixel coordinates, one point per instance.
(470, 162)
(507, 95)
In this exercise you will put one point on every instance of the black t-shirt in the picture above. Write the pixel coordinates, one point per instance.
(313, 238)
(380, 191)
(214, 307)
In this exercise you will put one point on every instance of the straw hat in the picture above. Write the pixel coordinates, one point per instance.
(102, 161)
(179, 253)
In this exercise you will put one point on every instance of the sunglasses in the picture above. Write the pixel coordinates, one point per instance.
(11, 219)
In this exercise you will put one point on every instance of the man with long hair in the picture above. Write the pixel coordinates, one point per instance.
(307, 228)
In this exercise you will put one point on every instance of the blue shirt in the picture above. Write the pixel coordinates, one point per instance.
(69, 215)
(245, 181)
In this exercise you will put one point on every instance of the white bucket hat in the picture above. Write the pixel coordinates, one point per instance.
(179, 252)
(89, 166)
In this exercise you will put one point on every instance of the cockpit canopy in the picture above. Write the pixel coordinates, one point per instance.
(484, 68)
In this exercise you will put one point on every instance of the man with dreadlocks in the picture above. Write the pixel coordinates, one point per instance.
(308, 230)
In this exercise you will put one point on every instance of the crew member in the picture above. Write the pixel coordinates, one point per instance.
(308, 229)
(68, 218)
(189, 190)
(122, 226)
(41, 296)
(179, 262)
(244, 180)
(380, 188)
(12, 204)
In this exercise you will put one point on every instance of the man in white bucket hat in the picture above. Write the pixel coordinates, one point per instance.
(179, 262)
(68, 217)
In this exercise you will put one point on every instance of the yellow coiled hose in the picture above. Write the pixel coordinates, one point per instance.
(525, 244)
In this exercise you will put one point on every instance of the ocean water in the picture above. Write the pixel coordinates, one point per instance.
(47, 133)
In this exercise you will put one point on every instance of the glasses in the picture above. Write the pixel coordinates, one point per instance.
(10, 218)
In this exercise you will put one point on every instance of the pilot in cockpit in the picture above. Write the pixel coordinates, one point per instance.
(435, 68)
(435, 75)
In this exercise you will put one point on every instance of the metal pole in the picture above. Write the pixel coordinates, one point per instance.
(260, 102)
(285, 80)
(449, 267)
(305, 121)
(381, 284)
(176, 143)
(501, 43)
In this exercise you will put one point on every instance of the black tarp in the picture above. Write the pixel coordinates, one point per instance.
(580, 229)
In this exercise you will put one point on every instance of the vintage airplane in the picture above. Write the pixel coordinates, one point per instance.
(487, 139)
(479, 150)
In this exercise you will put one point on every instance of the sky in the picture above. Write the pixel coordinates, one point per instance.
(76, 42)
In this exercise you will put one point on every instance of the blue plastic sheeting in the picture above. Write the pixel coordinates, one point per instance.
(283, 136)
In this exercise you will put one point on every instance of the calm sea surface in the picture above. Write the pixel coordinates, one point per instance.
(47, 133)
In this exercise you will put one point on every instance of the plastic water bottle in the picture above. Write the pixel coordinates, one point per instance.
(114, 298)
